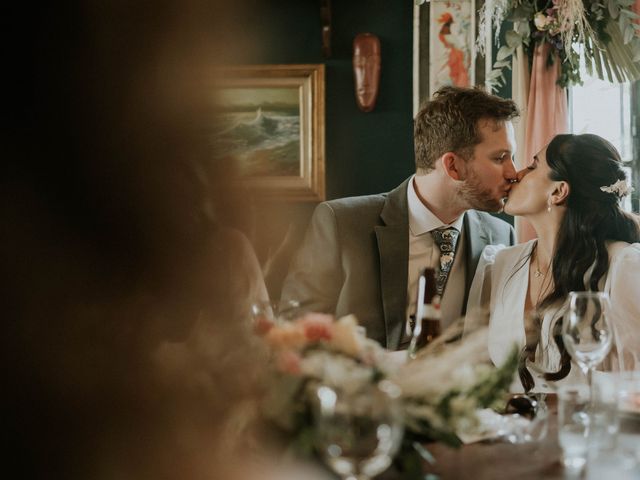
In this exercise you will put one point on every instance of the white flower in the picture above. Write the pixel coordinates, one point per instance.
(336, 371)
(431, 375)
(541, 21)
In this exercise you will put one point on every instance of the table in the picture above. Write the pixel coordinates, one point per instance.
(496, 460)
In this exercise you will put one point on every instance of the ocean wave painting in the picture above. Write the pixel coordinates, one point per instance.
(260, 130)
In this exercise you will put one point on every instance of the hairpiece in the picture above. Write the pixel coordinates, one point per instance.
(620, 188)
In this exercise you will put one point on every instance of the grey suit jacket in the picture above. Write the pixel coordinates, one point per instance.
(355, 258)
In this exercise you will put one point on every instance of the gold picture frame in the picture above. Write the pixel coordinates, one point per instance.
(272, 126)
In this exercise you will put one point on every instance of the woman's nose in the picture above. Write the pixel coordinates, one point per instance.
(521, 174)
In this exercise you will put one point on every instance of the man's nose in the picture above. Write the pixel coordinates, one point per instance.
(510, 172)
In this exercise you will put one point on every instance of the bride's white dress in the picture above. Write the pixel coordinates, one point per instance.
(500, 284)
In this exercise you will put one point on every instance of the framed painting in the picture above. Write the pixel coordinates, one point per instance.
(444, 47)
(271, 124)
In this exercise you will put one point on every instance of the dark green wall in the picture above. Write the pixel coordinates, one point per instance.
(364, 152)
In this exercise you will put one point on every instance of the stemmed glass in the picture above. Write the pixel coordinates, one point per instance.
(587, 330)
(265, 313)
(358, 432)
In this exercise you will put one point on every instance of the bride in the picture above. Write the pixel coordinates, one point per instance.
(570, 192)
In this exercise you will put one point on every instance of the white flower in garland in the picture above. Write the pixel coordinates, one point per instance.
(603, 35)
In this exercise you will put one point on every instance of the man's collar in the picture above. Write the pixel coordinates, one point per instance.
(421, 219)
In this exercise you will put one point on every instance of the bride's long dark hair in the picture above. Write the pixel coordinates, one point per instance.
(586, 162)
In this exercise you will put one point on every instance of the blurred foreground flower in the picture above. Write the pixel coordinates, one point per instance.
(442, 390)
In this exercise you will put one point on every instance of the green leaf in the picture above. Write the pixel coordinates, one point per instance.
(629, 15)
(513, 39)
(628, 34)
(504, 52)
(613, 9)
(408, 461)
(502, 64)
(521, 13)
(424, 453)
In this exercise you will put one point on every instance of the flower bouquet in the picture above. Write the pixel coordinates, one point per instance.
(440, 391)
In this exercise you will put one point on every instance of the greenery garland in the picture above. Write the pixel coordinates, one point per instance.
(604, 33)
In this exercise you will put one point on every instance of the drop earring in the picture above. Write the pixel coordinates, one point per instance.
(549, 205)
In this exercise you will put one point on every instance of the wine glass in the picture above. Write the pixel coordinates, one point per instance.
(358, 433)
(587, 331)
(265, 313)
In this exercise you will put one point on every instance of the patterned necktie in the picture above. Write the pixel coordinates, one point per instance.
(446, 239)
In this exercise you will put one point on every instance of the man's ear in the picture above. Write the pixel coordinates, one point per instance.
(560, 193)
(453, 166)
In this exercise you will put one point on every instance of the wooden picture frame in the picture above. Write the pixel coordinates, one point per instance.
(272, 125)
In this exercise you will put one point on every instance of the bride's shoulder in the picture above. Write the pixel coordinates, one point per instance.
(623, 251)
(500, 254)
(514, 251)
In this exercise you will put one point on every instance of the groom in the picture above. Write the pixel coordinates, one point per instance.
(363, 255)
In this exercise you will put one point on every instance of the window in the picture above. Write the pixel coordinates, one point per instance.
(611, 111)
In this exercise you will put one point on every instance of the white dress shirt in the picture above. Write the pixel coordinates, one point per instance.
(423, 253)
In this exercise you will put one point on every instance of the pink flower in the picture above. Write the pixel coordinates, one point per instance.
(262, 324)
(317, 326)
(286, 335)
(288, 361)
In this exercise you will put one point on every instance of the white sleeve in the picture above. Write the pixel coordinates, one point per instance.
(480, 292)
(623, 286)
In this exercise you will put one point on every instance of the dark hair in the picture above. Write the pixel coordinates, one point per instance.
(449, 122)
(586, 162)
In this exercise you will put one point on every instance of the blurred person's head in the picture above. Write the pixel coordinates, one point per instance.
(124, 346)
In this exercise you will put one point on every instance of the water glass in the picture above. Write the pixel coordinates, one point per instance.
(265, 313)
(358, 433)
(604, 427)
(586, 330)
(573, 425)
(629, 393)
(624, 462)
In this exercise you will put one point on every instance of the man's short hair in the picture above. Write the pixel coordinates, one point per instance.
(449, 123)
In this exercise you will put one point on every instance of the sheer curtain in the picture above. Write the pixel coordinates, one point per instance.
(520, 79)
(546, 114)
